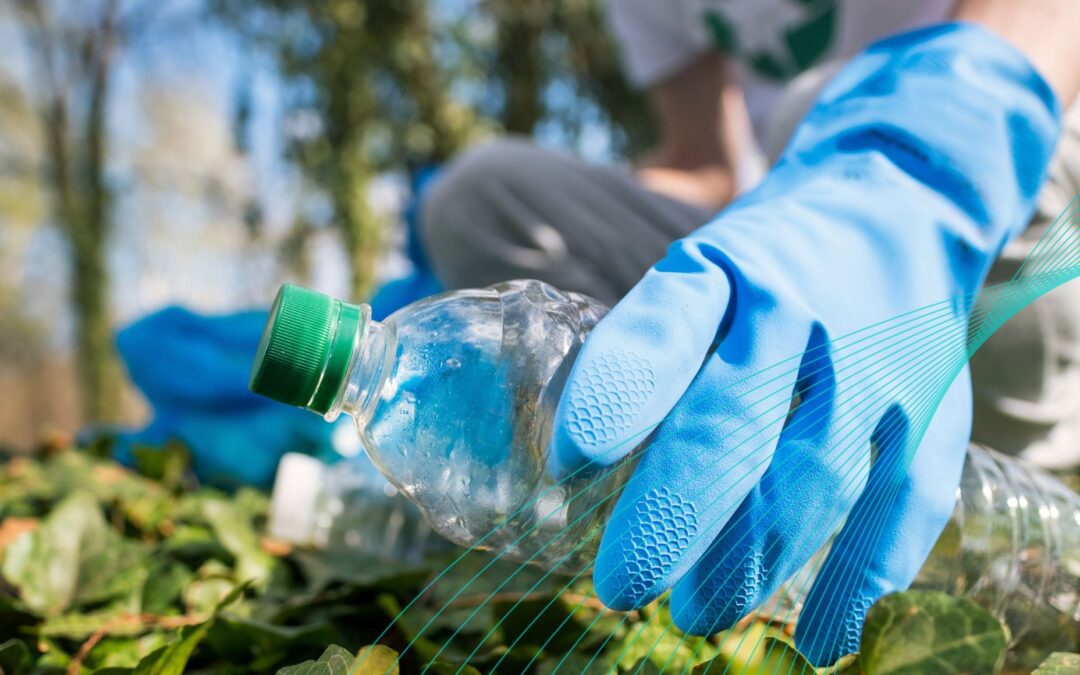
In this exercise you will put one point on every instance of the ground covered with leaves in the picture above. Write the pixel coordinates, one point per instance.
(106, 570)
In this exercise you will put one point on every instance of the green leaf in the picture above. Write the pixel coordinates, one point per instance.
(234, 638)
(237, 534)
(124, 652)
(444, 668)
(324, 568)
(167, 465)
(338, 661)
(165, 584)
(927, 632)
(88, 562)
(15, 657)
(78, 626)
(754, 651)
(847, 665)
(173, 659)
(581, 663)
(1060, 663)
(655, 638)
(376, 660)
(194, 544)
(204, 594)
(645, 667)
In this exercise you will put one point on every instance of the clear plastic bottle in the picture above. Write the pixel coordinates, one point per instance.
(454, 396)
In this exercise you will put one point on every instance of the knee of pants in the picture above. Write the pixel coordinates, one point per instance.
(469, 219)
(467, 184)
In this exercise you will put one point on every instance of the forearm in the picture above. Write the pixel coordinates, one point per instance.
(1044, 30)
(967, 140)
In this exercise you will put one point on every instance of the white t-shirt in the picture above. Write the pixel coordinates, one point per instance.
(771, 40)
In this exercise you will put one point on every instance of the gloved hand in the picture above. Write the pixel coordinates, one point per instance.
(918, 162)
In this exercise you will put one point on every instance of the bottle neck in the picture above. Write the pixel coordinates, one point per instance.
(368, 369)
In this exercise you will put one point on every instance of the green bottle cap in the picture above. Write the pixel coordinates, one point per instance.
(306, 347)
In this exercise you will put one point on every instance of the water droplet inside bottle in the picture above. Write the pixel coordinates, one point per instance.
(453, 363)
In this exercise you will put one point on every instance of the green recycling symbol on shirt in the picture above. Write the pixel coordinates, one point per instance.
(778, 39)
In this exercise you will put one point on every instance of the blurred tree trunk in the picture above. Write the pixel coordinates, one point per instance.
(74, 109)
(381, 97)
(519, 61)
(343, 68)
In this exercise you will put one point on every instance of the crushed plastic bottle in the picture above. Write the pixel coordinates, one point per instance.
(453, 398)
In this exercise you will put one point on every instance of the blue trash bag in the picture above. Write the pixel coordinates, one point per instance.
(193, 370)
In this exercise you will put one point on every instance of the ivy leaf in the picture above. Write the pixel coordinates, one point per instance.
(168, 465)
(14, 657)
(164, 585)
(761, 654)
(927, 632)
(88, 562)
(237, 534)
(338, 661)
(124, 653)
(1060, 663)
(847, 665)
(376, 660)
(444, 668)
(656, 639)
(239, 639)
(173, 659)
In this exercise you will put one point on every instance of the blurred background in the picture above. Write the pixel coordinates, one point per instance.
(201, 152)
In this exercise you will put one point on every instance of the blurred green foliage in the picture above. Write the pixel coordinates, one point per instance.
(370, 89)
(104, 570)
(376, 88)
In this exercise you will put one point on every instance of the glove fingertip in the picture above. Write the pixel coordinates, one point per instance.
(624, 585)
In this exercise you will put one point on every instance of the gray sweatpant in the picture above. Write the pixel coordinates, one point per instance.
(509, 209)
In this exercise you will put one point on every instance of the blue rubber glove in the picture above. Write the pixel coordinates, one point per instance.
(918, 162)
